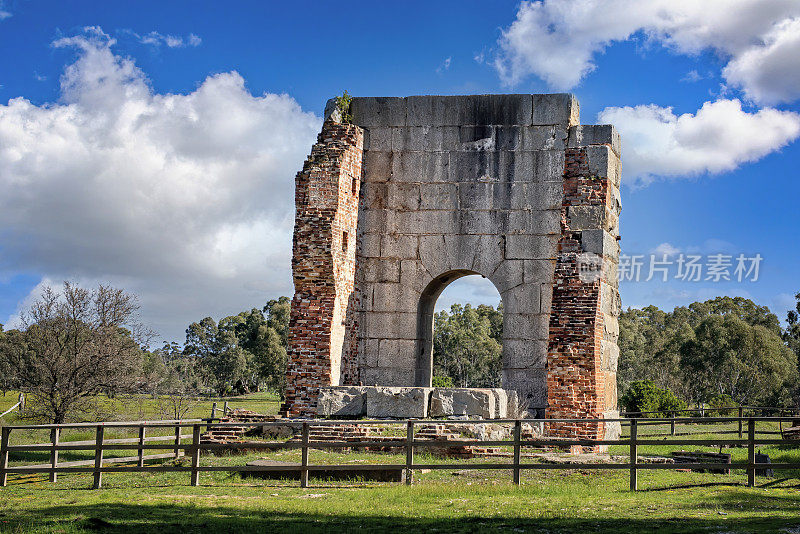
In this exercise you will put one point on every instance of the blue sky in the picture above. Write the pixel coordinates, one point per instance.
(157, 149)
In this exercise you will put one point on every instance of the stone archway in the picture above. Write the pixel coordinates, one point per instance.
(421, 189)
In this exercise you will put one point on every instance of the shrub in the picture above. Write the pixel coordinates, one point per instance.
(442, 382)
(645, 396)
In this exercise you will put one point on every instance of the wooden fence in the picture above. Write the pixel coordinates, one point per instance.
(142, 443)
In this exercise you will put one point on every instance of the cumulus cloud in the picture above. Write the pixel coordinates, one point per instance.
(4, 14)
(557, 40)
(719, 137)
(184, 199)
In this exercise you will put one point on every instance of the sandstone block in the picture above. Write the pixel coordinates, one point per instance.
(342, 401)
(398, 402)
(469, 402)
(597, 134)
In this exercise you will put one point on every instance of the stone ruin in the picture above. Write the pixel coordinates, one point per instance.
(406, 195)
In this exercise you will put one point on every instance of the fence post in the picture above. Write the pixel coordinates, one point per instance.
(634, 455)
(98, 457)
(225, 408)
(177, 440)
(741, 413)
(751, 452)
(304, 458)
(213, 411)
(54, 435)
(672, 423)
(21, 402)
(141, 449)
(195, 455)
(6, 436)
(517, 450)
(409, 453)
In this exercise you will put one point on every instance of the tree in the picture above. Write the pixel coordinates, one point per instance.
(223, 362)
(72, 346)
(747, 362)
(463, 346)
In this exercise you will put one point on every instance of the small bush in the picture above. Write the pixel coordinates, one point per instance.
(442, 381)
(645, 396)
(722, 401)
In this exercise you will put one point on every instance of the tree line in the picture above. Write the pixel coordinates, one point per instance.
(75, 344)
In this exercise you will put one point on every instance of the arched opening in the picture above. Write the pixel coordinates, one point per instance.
(460, 329)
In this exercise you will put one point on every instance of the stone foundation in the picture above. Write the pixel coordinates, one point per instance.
(414, 402)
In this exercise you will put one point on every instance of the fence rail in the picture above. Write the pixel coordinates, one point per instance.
(142, 443)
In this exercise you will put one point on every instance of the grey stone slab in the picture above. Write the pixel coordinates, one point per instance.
(392, 377)
(596, 134)
(398, 402)
(610, 355)
(342, 401)
(489, 250)
(394, 296)
(470, 402)
(604, 163)
(403, 196)
(486, 222)
(613, 430)
(381, 139)
(539, 271)
(530, 385)
(399, 353)
(530, 247)
(401, 246)
(421, 167)
(551, 137)
(523, 298)
(475, 196)
(524, 353)
(508, 274)
(475, 166)
(374, 196)
(377, 166)
(459, 251)
(390, 325)
(560, 108)
(599, 242)
(486, 109)
(546, 222)
(369, 245)
(438, 196)
(526, 325)
(370, 112)
(423, 222)
(381, 269)
(414, 275)
(586, 217)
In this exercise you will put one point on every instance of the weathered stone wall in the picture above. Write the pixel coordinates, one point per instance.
(510, 187)
(323, 322)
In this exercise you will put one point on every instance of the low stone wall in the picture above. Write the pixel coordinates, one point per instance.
(417, 402)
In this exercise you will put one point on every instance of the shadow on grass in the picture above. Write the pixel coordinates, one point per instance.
(169, 518)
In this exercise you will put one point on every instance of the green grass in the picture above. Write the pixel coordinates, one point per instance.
(439, 501)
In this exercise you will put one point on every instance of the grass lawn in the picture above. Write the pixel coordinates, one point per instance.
(451, 500)
(439, 501)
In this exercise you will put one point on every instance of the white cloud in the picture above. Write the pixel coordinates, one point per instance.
(444, 66)
(719, 137)
(665, 249)
(770, 72)
(184, 199)
(3, 13)
(557, 40)
(157, 39)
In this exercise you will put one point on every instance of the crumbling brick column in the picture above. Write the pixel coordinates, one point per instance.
(582, 351)
(322, 325)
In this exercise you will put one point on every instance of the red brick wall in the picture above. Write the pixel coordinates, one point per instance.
(575, 375)
(322, 348)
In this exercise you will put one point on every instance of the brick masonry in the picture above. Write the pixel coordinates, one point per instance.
(510, 187)
(323, 325)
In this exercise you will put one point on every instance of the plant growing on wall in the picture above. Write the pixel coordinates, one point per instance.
(343, 104)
